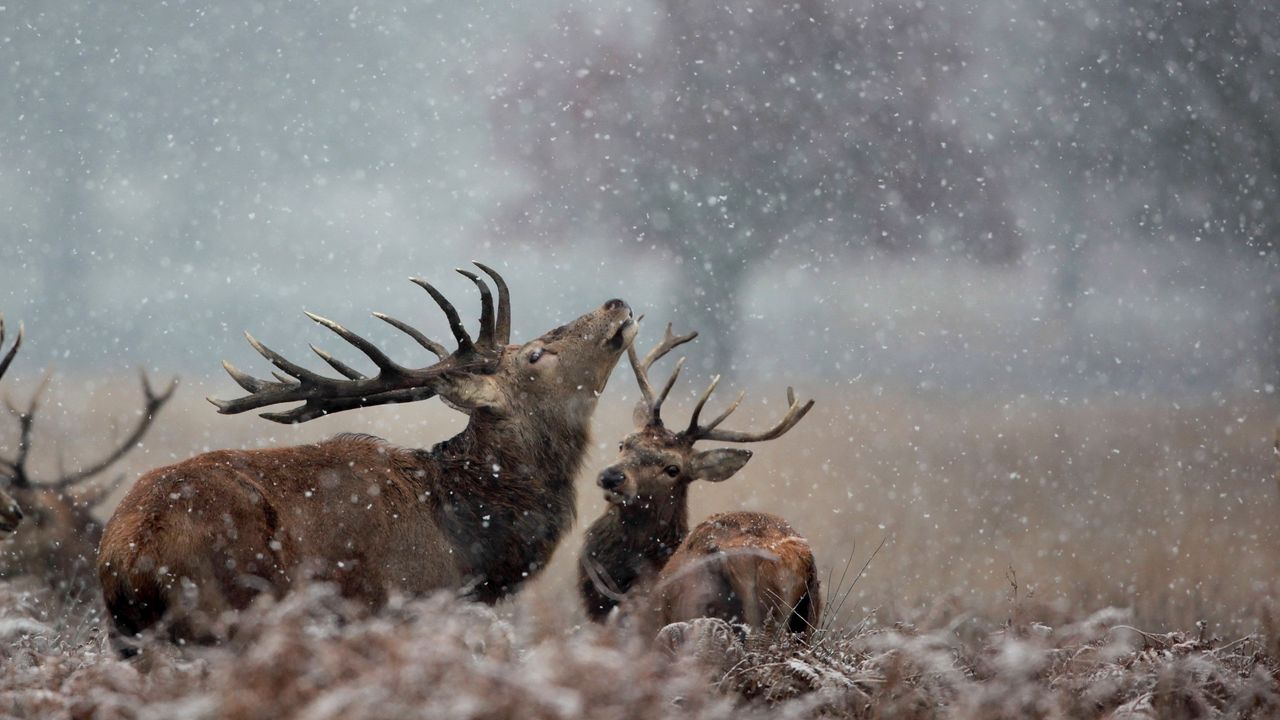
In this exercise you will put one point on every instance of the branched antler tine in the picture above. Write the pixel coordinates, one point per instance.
(348, 371)
(431, 345)
(281, 362)
(318, 395)
(642, 375)
(313, 409)
(152, 403)
(727, 412)
(153, 399)
(26, 422)
(268, 394)
(291, 417)
(370, 350)
(652, 400)
(794, 414)
(455, 323)
(13, 351)
(243, 379)
(702, 401)
(669, 342)
(502, 324)
(485, 339)
(666, 389)
(35, 397)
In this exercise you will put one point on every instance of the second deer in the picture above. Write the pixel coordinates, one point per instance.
(59, 536)
(746, 566)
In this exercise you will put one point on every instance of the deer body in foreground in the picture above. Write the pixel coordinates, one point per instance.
(480, 512)
(752, 567)
(59, 534)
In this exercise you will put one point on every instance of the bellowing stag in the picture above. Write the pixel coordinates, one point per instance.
(745, 566)
(59, 533)
(480, 512)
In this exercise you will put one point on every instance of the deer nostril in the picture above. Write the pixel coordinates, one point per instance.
(612, 479)
(616, 304)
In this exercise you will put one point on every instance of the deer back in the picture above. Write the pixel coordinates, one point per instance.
(745, 566)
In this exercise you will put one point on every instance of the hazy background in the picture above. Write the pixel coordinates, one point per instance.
(1023, 195)
(1026, 248)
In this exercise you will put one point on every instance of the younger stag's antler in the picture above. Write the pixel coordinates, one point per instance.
(394, 383)
(650, 410)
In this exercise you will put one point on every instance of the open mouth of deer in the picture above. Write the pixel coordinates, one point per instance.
(619, 339)
(615, 497)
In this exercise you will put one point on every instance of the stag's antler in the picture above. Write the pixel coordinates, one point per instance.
(13, 351)
(651, 404)
(16, 467)
(394, 383)
(152, 402)
(695, 432)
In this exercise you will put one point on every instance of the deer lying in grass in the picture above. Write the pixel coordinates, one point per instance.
(480, 512)
(59, 535)
(745, 566)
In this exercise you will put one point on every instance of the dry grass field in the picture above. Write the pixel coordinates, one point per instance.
(1108, 557)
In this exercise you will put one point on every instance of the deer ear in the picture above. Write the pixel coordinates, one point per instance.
(640, 416)
(719, 464)
(468, 393)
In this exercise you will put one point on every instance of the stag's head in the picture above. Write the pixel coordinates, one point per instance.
(566, 368)
(559, 374)
(656, 464)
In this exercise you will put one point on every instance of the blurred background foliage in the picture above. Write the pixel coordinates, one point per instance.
(961, 197)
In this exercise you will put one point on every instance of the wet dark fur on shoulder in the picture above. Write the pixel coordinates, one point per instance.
(626, 546)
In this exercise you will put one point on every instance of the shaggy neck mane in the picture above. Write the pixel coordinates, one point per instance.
(503, 489)
(653, 532)
(627, 546)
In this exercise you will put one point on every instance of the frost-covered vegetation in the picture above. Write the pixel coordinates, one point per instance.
(315, 656)
(1148, 596)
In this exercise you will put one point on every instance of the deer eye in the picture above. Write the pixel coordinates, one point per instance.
(620, 446)
(672, 470)
(535, 356)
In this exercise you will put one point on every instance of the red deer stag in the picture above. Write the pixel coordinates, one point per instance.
(60, 534)
(480, 512)
(748, 566)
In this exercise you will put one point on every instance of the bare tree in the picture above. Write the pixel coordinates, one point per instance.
(724, 131)
(1177, 103)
